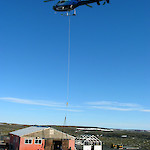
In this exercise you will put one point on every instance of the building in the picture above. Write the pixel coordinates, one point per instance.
(124, 136)
(41, 138)
(88, 142)
(94, 129)
(3, 145)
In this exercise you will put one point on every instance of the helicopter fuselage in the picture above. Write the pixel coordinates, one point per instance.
(68, 5)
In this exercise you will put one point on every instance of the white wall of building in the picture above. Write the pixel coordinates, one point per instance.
(87, 147)
(97, 147)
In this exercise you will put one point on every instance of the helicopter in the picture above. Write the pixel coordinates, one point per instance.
(68, 5)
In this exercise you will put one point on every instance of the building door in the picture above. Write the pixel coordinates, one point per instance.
(57, 145)
(49, 144)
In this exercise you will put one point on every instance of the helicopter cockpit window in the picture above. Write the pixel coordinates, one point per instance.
(63, 1)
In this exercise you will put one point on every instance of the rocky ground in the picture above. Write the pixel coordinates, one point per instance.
(134, 138)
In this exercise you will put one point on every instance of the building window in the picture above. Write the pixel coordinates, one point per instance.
(38, 141)
(28, 141)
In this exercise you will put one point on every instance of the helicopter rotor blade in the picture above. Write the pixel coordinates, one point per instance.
(107, 1)
(89, 6)
(48, 0)
(98, 3)
(104, 3)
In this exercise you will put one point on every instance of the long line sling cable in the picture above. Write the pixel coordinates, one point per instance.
(68, 61)
(68, 74)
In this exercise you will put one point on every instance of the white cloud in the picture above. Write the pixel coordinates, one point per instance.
(105, 105)
(117, 106)
(54, 105)
(31, 102)
(70, 110)
(110, 103)
(145, 110)
(112, 108)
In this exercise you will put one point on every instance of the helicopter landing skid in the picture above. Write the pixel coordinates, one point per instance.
(69, 14)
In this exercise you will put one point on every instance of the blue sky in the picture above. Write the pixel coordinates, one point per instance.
(109, 64)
